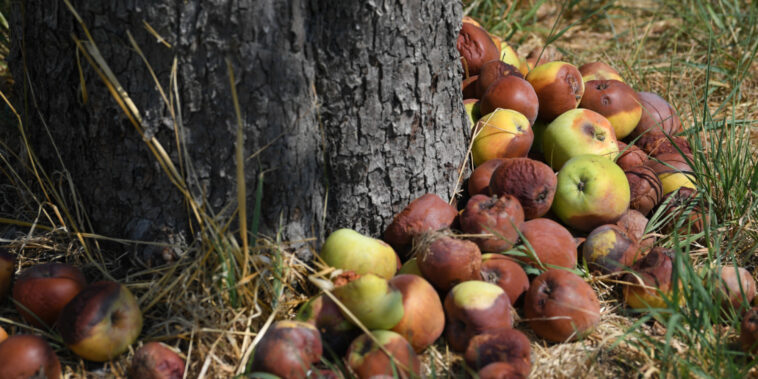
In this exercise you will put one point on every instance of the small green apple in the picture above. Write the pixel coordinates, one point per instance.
(592, 191)
(578, 132)
(349, 250)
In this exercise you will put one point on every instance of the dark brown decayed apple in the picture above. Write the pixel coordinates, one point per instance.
(616, 101)
(476, 48)
(101, 322)
(469, 86)
(511, 92)
(657, 114)
(27, 356)
(8, 265)
(609, 248)
(749, 331)
(492, 71)
(446, 261)
(506, 274)
(336, 331)
(156, 361)
(559, 88)
(423, 318)
(560, 306)
(473, 308)
(500, 370)
(646, 190)
(653, 274)
(552, 243)
(288, 349)
(367, 360)
(734, 283)
(499, 216)
(532, 182)
(631, 156)
(504, 345)
(683, 212)
(655, 143)
(427, 213)
(634, 223)
(45, 289)
(479, 181)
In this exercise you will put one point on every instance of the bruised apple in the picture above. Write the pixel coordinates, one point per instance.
(651, 279)
(616, 101)
(499, 216)
(288, 349)
(423, 318)
(559, 88)
(479, 181)
(506, 274)
(27, 356)
(41, 291)
(504, 133)
(373, 300)
(476, 48)
(323, 313)
(532, 182)
(427, 213)
(472, 308)
(504, 345)
(368, 358)
(511, 92)
(446, 261)
(578, 132)
(598, 71)
(156, 361)
(553, 244)
(609, 248)
(350, 250)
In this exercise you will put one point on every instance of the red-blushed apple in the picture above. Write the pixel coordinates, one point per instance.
(336, 331)
(560, 306)
(472, 308)
(479, 181)
(428, 213)
(500, 370)
(592, 191)
(41, 291)
(496, 215)
(8, 265)
(476, 48)
(101, 322)
(635, 223)
(674, 172)
(506, 274)
(423, 318)
(504, 133)
(578, 132)
(657, 115)
(651, 278)
(446, 261)
(503, 345)
(288, 349)
(491, 72)
(373, 300)
(609, 248)
(616, 101)
(598, 71)
(737, 287)
(27, 356)
(350, 250)
(511, 92)
(531, 182)
(156, 361)
(559, 88)
(368, 358)
(553, 244)
(656, 142)
(471, 20)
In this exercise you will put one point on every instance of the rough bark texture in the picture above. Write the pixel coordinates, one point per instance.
(354, 102)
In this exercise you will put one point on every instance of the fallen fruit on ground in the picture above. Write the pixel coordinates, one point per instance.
(497, 215)
(505, 273)
(532, 182)
(635, 223)
(479, 181)
(504, 133)
(41, 291)
(425, 214)
(423, 317)
(101, 322)
(288, 349)
(683, 212)
(491, 72)
(504, 345)
(473, 308)
(560, 306)
(609, 248)
(350, 250)
(372, 300)
(500, 370)
(367, 360)
(469, 87)
(156, 361)
(645, 189)
(552, 243)
(511, 92)
(3, 334)
(630, 156)
(749, 331)
(673, 171)
(476, 48)
(616, 101)
(472, 111)
(410, 267)
(737, 287)
(446, 261)
(336, 331)
(598, 71)
(578, 132)
(657, 115)
(651, 278)
(559, 88)
(27, 356)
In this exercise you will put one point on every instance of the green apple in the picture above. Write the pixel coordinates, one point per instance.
(592, 191)
(472, 110)
(349, 250)
(578, 132)
(503, 133)
(375, 302)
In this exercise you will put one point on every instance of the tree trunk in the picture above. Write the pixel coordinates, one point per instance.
(350, 109)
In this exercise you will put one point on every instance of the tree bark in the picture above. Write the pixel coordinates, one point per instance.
(350, 109)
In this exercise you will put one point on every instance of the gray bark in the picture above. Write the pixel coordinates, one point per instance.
(356, 103)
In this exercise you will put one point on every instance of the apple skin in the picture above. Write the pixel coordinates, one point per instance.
(552, 243)
(559, 88)
(479, 181)
(560, 306)
(749, 331)
(45, 289)
(657, 115)
(288, 349)
(336, 331)
(630, 156)
(504, 133)
(609, 248)
(476, 48)
(598, 71)
(410, 267)
(373, 300)
(682, 208)
(635, 223)
(673, 171)
(27, 356)
(499, 216)
(156, 361)
(506, 274)
(493, 71)
(530, 181)
(101, 322)
(500, 370)
(472, 308)
(578, 132)
(3, 334)
(427, 213)
(645, 189)
(447, 261)
(733, 283)
(592, 191)
(7, 266)
(468, 88)
(350, 250)
(616, 101)
(511, 92)
(423, 318)
(508, 55)
(506, 345)
(655, 274)
(367, 360)
(472, 111)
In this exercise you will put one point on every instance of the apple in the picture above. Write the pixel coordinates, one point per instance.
(538, 129)
(7, 266)
(428, 213)
(479, 181)
(531, 182)
(410, 267)
(508, 55)
(350, 250)
(495, 215)
(491, 72)
(560, 306)
(630, 156)
(609, 248)
(543, 54)
(27, 356)
(553, 244)
(737, 287)
(156, 361)
(505, 345)
(656, 143)
(447, 261)
(476, 48)
(423, 318)
(288, 349)
(598, 71)
(503, 133)
(323, 313)
(468, 88)
(657, 115)
(101, 322)
(500, 370)
(43, 290)
(652, 277)
(559, 87)
(511, 92)
(749, 331)
(369, 358)
(645, 189)
(592, 191)
(506, 274)
(616, 101)
(683, 212)
(635, 223)
(472, 308)
(373, 300)
(578, 132)
(673, 171)
(472, 110)
(471, 20)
